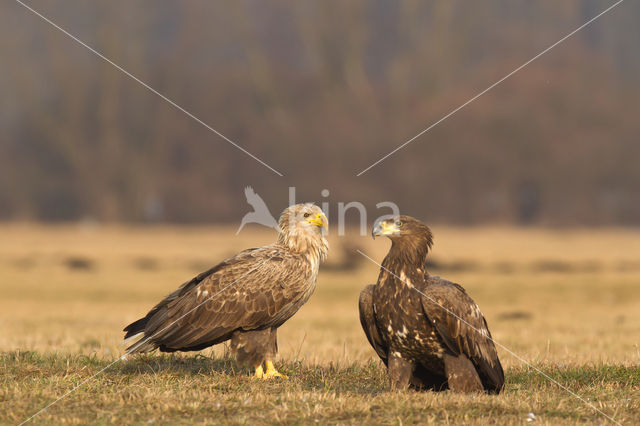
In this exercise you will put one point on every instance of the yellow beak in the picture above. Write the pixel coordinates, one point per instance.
(384, 228)
(320, 220)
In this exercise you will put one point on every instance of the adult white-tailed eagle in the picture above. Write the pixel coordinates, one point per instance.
(429, 333)
(244, 298)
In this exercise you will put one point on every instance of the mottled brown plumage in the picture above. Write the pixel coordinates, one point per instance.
(244, 298)
(423, 344)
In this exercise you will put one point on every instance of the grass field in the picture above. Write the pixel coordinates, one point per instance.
(566, 301)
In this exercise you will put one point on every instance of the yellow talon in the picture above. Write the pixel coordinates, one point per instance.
(259, 374)
(272, 372)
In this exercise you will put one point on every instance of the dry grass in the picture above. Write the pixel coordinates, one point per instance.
(568, 301)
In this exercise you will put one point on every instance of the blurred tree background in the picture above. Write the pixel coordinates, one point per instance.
(320, 90)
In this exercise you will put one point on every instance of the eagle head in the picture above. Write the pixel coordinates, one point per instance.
(302, 227)
(408, 236)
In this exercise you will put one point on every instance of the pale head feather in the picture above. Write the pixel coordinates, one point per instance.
(298, 232)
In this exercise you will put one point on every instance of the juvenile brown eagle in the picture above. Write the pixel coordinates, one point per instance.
(429, 333)
(244, 298)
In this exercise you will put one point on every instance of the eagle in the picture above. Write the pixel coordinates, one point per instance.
(243, 299)
(428, 331)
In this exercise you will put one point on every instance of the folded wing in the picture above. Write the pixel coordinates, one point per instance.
(256, 289)
(463, 329)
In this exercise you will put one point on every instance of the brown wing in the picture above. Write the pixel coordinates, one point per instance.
(256, 289)
(470, 337)
(139, 325)
(369, 322)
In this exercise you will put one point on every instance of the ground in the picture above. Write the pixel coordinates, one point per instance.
(565, 301)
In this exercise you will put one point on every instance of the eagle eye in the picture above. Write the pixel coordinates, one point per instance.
(307, 214)
(399, 223)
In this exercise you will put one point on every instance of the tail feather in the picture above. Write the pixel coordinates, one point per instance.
(128, 340)
(136, 327)
(141, 346)
(134, 331)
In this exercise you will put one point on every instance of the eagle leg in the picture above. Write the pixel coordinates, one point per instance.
(269, 373)
(400, 372)
(259, 374)
(272, 372)
(269, 353)
(461, 374)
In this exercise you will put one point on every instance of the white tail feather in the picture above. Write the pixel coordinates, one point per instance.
(131, 339)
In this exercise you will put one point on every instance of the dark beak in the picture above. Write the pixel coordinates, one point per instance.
(375, 231)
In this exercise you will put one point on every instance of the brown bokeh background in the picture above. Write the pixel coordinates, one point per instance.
(320, 90)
